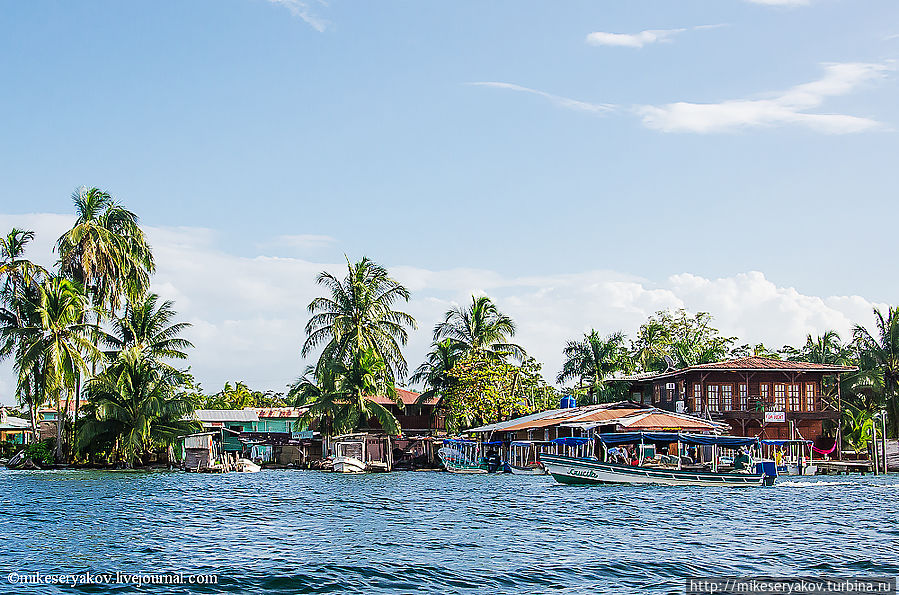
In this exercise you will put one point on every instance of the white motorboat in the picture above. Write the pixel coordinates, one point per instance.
(348, 464)
(246, 466)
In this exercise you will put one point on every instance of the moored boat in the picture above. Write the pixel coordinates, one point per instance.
(589, 470)
(246, 466)
(462, 456)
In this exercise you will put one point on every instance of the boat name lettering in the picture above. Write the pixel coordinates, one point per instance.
(582, 473)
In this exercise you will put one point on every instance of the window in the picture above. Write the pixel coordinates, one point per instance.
(810, 396)
(656, 393)
(727, 397)
(794, 397)
(697, 398)
(780, 397)
(712, 397)
(763, 393)
(744, 396)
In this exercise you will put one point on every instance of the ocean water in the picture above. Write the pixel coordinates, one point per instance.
(425, 532)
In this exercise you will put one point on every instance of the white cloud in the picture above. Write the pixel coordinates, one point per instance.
(301, 10)
(788, 107)
(555, 99)
(643, 38)
(632, 40)
(248, 313)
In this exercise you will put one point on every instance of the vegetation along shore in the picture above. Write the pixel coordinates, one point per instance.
(103, 361)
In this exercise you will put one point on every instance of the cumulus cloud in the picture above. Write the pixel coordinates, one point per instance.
(787, 107)
(555, 99)
(248, 312)
(302, 10)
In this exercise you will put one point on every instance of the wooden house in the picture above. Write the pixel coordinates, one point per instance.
(755, 396)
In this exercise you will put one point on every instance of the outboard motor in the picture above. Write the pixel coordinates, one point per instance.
(768, 469)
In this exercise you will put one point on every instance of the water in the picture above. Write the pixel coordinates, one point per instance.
(312, 532)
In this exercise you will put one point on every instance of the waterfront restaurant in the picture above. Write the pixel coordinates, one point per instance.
(755, 396)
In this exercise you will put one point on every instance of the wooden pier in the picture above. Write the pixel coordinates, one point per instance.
(841, 467)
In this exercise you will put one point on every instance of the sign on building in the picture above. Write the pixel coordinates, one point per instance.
(775, 417)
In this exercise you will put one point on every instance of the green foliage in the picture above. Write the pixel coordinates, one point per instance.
(40, 453)
(480, 327)
(240, 396)
(591, 361)
(878, 355)
(359, 316)
(687, 340)
(341, 397)
(485, 389)
(134, 405)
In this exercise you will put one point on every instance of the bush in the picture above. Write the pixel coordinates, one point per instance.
(40, 453)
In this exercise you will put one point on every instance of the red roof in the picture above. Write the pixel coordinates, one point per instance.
(745, 364)
(406, 396)
(270, 412)
(767, 363)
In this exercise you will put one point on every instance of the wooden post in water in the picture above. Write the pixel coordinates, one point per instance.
(883, 438)
(874, 446)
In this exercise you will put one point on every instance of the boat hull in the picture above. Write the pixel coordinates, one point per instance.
(572, 470)
(530, 470)
(455, 462)
(348, 465)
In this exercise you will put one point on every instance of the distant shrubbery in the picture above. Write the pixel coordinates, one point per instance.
(40, 453)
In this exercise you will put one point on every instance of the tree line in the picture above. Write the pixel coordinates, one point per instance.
(87, 336)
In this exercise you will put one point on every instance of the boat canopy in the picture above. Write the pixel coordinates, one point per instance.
(571, 441)
(670, 437)
(783, 442)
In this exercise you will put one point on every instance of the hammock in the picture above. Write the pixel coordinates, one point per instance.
(826, 452)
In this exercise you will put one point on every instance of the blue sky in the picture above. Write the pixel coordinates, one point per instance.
(524, 140)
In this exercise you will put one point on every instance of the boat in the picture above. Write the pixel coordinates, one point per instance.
(462, 456)
(361, 453)
(790, 456)
(246, 466)
(660, 469)
(524, 458)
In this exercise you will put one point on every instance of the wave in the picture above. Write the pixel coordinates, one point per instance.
(812, 484)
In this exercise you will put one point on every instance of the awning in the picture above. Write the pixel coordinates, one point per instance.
(671, 437)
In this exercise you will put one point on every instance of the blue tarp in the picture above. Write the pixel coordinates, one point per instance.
(571, 441)
(671, 437)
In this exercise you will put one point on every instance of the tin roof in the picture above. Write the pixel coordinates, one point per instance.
(407, 397)
(225, 415)
(279, 412)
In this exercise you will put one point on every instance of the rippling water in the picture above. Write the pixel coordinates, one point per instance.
(312, 532)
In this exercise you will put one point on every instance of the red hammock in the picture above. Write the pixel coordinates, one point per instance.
(826, 452)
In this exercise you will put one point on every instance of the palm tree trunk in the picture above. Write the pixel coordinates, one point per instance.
(75, 419)
(60, 430)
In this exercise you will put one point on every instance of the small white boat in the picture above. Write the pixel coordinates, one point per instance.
(347, 464)
(535, 469)
(361, 453)
(246, 466)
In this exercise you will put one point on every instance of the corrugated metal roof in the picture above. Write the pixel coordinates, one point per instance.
(280, 412)
(225, 415)
(407, 397)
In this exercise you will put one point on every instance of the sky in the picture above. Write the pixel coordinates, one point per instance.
(585, 163)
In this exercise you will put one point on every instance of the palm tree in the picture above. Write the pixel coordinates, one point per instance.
(107, 253)
(18, 312)
(345, 396)
(480, 327)
(881, 353)
(434, 372)
(56, 345)
(134, 404)
(147, 325)
(105, 250)
(15, 270)
(592, 360)
(359, 315)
